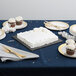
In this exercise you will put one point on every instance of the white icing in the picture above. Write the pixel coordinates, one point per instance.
(70, 41)
(12, 29)
(71, 46)
(8, 29)
(11, 20)
(37, 37)
(66, 35)
(19, 18)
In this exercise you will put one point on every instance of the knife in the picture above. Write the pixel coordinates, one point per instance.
(8, 50)
(28, 55)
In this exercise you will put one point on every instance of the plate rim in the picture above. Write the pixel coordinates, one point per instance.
(74, 25)
(60, 51)
(56, 21)
(59, 48)
(2, 32)
(7, 21)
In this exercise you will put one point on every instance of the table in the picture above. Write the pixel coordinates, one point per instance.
(49, 62)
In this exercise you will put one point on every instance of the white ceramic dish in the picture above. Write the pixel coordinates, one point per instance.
(72, 29)
(2, 34)
(62, 50)
(56, 25)
(17, 26)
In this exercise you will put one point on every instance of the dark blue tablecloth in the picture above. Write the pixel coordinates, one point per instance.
(49, 56)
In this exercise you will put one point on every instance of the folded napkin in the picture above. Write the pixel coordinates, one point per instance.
(9, 56)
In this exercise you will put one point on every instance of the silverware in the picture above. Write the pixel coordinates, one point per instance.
(8, 50)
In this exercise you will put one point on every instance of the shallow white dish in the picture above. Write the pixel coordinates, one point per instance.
(56, 25)
(2, 34)
(17, 26)
(72, 29)
(62, 50)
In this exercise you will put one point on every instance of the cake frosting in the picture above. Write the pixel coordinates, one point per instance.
(71, 46)
(8, 29)
(19, 18)
(37, 37)
(11, 20)
(70, 41)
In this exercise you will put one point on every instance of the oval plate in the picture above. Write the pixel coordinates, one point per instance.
(56, 25)
(17, 26)
(62, 50)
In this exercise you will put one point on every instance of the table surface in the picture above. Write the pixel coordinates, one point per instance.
(49, 56)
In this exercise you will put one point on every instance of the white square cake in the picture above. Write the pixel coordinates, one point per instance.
(37, 37)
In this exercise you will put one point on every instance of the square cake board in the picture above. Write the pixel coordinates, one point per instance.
(32, 49)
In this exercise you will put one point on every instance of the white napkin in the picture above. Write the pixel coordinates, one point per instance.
(8, 56)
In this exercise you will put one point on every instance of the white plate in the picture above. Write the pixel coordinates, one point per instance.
(72, 29)
(62, 50)
(56, 25)
(2, 34)
(17, 26)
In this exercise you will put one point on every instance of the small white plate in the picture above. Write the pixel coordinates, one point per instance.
(62, 50)
(72, 29)
(56, 25)
(2, 34)
(17, 26)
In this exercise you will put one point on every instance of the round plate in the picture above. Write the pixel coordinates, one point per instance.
(62, 50)
(2, 34)
(56, 25)
(17, 26)
(72, 29)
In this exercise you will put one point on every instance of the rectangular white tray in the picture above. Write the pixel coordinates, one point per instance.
(15, 37)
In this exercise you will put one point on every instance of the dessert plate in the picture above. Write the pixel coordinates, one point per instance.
(56, 25)
(17, 26)
(73, 29)
(62, 50)
(2, 34)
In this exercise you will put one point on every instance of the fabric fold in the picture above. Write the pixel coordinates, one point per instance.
(10, 56)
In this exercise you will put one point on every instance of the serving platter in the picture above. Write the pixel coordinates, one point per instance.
(62, 50)
(56, 25)
(32, 49)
